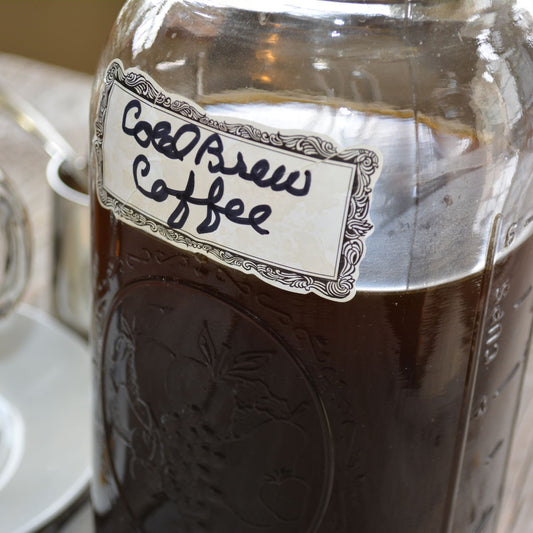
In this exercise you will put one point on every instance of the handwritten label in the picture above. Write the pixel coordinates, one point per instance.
(286, 206)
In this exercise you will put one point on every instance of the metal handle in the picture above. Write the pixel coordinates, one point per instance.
(33, 122)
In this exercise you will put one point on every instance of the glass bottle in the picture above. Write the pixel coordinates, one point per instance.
(312, 264)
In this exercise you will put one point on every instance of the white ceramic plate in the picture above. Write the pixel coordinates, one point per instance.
(45, 429)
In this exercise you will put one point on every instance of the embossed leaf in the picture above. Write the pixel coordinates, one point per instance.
(207, 347)
(264, 401)
(246, 364)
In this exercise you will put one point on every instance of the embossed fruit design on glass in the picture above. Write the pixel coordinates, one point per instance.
(312, 264)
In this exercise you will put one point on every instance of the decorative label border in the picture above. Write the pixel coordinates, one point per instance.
(367, 165)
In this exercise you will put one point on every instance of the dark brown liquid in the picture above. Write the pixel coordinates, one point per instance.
(226, 405)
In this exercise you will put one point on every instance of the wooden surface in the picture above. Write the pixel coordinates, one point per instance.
(63, 97)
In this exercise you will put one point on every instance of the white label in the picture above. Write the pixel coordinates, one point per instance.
(286, 206)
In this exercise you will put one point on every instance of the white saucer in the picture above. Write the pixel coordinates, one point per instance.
(45, 408)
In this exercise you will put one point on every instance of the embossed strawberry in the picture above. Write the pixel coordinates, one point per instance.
(285, 495)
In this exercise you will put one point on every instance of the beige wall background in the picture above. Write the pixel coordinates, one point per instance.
(69, 33)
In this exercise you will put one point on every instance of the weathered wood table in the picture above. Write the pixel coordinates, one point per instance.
(63, 97)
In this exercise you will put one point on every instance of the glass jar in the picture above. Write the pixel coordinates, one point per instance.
(312, 264)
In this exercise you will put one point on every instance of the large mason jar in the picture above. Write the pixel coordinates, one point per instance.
(312, 264)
